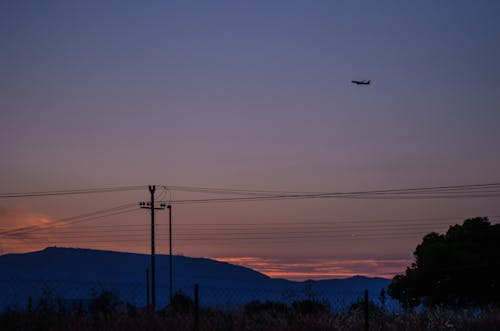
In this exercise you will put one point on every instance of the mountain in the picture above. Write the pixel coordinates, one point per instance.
(74, 274)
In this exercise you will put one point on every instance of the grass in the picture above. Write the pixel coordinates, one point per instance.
(126, 319)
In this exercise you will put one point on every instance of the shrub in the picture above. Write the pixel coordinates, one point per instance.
(105, 303)
(273, 308)
(308, 307)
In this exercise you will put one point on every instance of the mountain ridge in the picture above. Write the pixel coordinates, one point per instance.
(65, 250)
(74, 272)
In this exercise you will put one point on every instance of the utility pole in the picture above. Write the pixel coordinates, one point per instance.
(151, 205)
(170, 244)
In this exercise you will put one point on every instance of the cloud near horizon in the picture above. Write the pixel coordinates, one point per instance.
(316, 269)
(20, 231)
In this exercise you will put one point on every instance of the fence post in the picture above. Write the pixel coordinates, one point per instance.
(366, 305)
(147, 288)
(196, 325)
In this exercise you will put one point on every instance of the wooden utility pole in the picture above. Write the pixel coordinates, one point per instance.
(151, 205)
(152, 189)
(170, 252)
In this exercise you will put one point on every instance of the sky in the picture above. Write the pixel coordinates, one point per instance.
(255, 96)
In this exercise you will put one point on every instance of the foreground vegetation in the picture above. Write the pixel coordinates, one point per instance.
(466, 254)
(301, 315)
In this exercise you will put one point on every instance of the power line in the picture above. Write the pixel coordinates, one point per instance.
(71, 192)
(74, 219)
(226, 191)
(284, 192)
(435, 220)
(208, 234)
(382, 229)
(233, 230)
(480, 190)
(437, 192)
(306, 222)
(221, 240)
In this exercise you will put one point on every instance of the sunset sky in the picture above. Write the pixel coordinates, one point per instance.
(253, 95)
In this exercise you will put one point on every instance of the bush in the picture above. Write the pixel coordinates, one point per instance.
(273, 308)
(105, 303)
(374, 310)
(308, 307)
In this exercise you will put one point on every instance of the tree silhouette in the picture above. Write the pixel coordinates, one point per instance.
(458, 269)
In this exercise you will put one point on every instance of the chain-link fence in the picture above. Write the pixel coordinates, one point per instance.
(63, 305)
(27, 294)
(190, 306)
(20, 293)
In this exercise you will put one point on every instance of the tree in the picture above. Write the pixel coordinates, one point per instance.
(458, 269)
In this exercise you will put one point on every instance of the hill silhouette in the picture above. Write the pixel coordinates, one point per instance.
(73, 273)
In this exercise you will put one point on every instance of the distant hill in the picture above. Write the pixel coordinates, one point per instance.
(73, 273)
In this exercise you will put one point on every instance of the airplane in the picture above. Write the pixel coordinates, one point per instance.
(361, 82)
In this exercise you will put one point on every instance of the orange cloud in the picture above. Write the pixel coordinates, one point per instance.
(321, 268)
(20, 231)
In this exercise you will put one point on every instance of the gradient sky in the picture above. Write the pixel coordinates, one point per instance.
(251, 95)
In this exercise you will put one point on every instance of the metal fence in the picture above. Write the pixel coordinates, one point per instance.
(192, 307)
(19, 293)
(62, 305)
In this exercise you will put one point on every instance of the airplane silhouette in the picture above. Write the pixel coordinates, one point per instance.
(361, 82)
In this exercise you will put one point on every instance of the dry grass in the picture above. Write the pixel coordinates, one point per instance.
(233, 321)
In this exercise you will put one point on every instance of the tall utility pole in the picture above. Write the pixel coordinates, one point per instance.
(170, 244)
(151, 205)
(152, 189)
